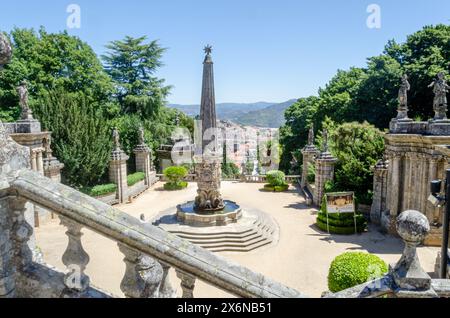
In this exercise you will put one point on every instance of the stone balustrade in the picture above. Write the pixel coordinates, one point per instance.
(149, 251)
(243, 178)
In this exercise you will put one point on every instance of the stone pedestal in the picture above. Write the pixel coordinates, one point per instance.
(324, 172)
(118, 173)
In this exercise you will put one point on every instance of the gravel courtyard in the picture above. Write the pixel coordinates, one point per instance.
(300, 259)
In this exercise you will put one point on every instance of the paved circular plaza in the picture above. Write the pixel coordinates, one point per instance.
(300, 259)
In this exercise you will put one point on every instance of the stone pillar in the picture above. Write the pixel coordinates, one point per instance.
(309, 153)
(432, 212)
(118, 174)
(324, 172)
(40, 161)
(395, 184)
(118, 169)
(52, 166)
(379, 191)
(143, 163)
(33, 160)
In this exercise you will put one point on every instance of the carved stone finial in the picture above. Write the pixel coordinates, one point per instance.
(116, 138)
(311, 135)
(412, 226)
(325, 140)
(5, 50)
(141, 135)
(440, 90)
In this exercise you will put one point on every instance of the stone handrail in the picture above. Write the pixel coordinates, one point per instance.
(138, 240)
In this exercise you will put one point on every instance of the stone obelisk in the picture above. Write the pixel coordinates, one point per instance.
(208, 167)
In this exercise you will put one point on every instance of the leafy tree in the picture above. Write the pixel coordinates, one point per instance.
(131, 63)
(49, 61)
(80, 135)
(370, 93)
(357, 147)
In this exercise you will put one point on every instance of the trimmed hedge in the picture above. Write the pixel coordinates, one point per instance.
(175, 185)
(340, 223)
(101, 189)
(280, 188)
(353, 268)
(276, 178)
(134, 178)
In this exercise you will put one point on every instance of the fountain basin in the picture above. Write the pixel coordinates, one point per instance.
(186, 214)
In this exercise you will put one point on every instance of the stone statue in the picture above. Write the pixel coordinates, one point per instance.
(116, 138)
(5, 50)
(325, 140)
(440, 90)
(22, 91)
(46, 143)
(403, 91)
(311, 135)
(402, 109)
(141, 136)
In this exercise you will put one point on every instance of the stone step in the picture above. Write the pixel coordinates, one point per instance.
(231, 244)
(244, 240)
(241, 249)
(207, 236)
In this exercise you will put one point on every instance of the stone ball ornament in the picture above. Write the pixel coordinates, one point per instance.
(412, 226)
(5, 50)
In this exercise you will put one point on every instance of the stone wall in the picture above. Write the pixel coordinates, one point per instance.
(416, 154)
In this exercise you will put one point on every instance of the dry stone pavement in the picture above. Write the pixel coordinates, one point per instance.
(300, 259)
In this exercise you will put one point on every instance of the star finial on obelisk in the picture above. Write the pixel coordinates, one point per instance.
(208, 49)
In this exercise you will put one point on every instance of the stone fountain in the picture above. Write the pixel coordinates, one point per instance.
(209, 220)
(208, 208)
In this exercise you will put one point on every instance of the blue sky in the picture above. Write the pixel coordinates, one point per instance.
(263, 50)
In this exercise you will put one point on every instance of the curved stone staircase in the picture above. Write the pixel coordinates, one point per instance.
(254, 230)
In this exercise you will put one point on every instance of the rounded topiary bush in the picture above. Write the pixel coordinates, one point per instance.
(353, 268)
(175, 175)
(277, 181)
(276, 178)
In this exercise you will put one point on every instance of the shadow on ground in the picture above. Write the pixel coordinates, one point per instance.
(371, 241)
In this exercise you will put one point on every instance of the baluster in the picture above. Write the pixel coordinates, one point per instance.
(22, 231)
(7, 268)
(187, 284)
(143, 274)
(75, 258)
(166, 290)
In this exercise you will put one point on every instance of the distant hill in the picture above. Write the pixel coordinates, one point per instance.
(271, 116)
(224, 110)
(262, 114)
